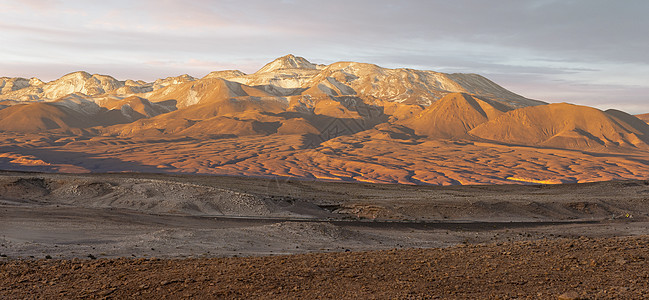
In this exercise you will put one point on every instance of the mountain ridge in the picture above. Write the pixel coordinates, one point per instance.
(566, 125)
(345, 121)
(291, 91)
(643, 117)
(284, 76)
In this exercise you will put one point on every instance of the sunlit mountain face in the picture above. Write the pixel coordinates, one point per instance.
(346, 121)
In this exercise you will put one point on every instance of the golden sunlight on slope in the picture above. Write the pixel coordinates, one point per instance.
(566, 126)
(333, 108)
(203, 91)
(230, 126)
(22, 160)
(407, 86)
(297, 126)
(36, 117)
(225, 116)
(378, 155)
(400, 112)
(453, 116)
(75, 114)
(289, 61)
(346, 121)
(137, 106)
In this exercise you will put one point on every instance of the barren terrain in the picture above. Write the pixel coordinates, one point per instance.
(147, 235)
(369, 156)
(440, 185)
(347, 121)
(544, 269)
(140, 215)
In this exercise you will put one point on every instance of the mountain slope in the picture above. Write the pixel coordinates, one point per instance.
(36, 117)
(291, 75)
(338, 99)
(77, 82)
(345, 121)
(289, 61)
(74, 111)
(225, 74)
(218, 114)
(566, 126)
(453, 116)
(203, 91)
(643, 117)
(135, 108)
(8, 85)
(285, 76)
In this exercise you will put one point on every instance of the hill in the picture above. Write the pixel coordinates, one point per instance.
(643, 117)
(37, 117)
(346, 121)
(453, 116)
(566, 126)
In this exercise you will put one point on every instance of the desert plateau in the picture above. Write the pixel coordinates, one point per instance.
(304, 180)
(347, 121)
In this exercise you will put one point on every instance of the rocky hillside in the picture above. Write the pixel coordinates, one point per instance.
(345, 121)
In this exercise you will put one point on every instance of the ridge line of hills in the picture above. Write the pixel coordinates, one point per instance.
(291, 95)
(335, 120)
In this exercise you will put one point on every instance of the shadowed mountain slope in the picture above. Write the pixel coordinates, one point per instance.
(643, 117)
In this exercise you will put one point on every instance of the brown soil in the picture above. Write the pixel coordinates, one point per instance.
(564, 268)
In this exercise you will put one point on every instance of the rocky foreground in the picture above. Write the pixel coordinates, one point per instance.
(546, 269)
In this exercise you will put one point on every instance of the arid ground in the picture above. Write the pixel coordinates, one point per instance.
(345, 122)
(370, 156)
(605, 268)
(148, 235)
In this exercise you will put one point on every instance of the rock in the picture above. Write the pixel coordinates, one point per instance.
(569, 295)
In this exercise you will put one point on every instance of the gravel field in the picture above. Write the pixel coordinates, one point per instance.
(152, 235)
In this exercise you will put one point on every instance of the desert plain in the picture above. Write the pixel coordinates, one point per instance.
(148, 235)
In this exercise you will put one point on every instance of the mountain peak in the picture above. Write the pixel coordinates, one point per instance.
(225, 74)
(77, 74)
(289, 61)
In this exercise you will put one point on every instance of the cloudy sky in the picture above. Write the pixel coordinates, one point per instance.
(586, 51)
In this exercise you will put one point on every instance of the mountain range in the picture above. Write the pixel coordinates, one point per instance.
(332, 122)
